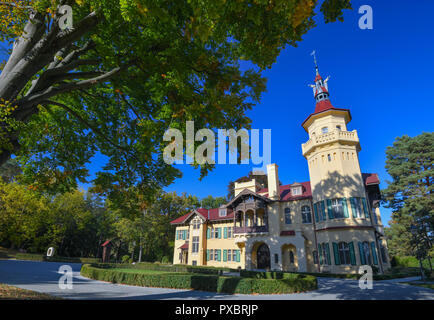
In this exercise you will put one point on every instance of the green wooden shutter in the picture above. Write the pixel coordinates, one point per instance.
(238, 255)
(329, 261)
(344, 205)
(208, 233)
(365, 208)
(184, 234)
(352, 253)
(220, 232)
(336, 253)
(177, 235)
(207, 254)
(374, 253)
(225, 232)
(362, 255)
(225, 255)
(323, 210)
(320, 254)
(315, 209)
(329, 208)
(353, 207)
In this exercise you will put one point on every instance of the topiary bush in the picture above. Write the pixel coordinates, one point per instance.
(213, 283)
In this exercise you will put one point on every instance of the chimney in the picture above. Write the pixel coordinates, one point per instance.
(273, 182)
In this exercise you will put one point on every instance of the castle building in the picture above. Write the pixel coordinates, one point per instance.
(329, 224)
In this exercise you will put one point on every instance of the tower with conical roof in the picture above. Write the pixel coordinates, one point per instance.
(341, 209)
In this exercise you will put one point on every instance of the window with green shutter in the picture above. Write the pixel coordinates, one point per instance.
(329, 208)
(207, 254)
(323, 211)
(344, 205)
(225, 255)
(315, 209)
(329, 261)
(219, 233)
(238, 255)
(208, 233)
(320, 254)
(365, 208)
(225, 232)
(352, 253)
(336, 253)
(374, 253)
(177, 234)
(362, 253)
(353, 207)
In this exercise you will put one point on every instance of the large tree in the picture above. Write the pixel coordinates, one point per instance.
(411, 194)
(128, 70)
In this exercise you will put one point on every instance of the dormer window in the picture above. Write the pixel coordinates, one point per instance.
(296, 191)
(325, 130)
(223, 212)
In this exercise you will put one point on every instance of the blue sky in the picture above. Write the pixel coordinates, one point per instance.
(384, 76)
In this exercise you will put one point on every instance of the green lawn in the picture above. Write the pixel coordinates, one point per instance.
(421, 284)
(13, 293)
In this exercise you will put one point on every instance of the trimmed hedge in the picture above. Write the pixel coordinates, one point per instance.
(42, 257)
(408, 261)
(166, 267)
(211, 283)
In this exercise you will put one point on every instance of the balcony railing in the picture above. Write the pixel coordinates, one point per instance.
(335, 135)
(253, 229)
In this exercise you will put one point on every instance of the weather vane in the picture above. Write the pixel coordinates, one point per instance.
(314, 57)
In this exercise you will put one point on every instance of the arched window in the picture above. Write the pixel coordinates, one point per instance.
(325, 130)
(305, 214)
(291, 257)
(339, 128)
(288, 216)
(344, 253)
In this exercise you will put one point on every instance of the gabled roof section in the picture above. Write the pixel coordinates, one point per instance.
(285, 192)
(205, 214)
(247, 192)
(370, 179)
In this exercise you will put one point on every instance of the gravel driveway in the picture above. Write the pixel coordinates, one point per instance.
(44, 277)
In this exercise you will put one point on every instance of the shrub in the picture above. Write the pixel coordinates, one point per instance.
(126, 259)
(213, 283)
(165, 260)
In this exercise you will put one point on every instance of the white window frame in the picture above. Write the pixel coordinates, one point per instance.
(305, 214)
(195, 245)
(337, 208)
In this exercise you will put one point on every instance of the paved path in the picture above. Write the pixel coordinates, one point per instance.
(44, 276)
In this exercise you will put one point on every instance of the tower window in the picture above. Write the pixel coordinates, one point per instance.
(329, 157)
(339, 128)
(325, 130)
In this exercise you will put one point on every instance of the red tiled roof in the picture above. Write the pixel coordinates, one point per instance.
(211, 215)
(105, 243)
(285, 192)
(285, 195)
(325, 105)
(184, 246)
(370, 178)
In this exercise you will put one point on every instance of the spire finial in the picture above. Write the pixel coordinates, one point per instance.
(314, 59)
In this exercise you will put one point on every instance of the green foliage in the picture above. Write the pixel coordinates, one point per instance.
(126, 259)
(74, 223)
(212, 283)
(411, 195)
(163, 62)
(210, 202)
